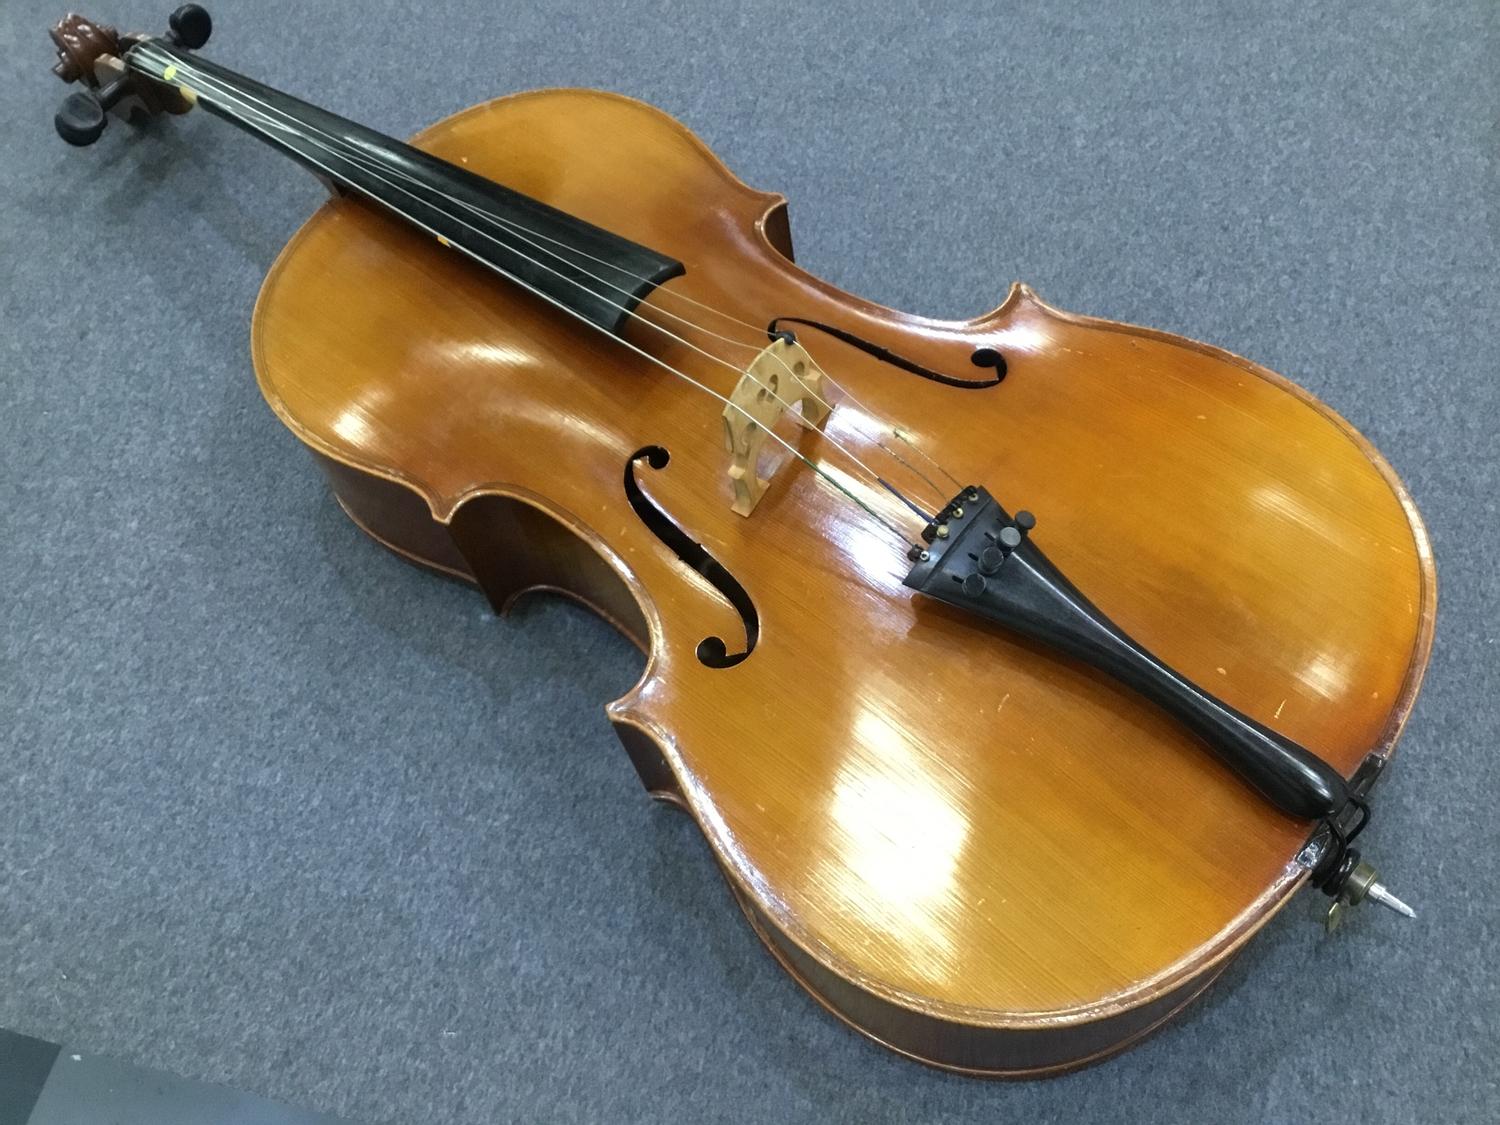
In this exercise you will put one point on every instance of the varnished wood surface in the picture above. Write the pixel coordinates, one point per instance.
(954, 824)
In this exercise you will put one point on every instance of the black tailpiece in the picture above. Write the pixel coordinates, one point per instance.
(981, 559)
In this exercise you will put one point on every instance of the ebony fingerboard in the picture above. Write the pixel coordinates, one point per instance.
(598, 276)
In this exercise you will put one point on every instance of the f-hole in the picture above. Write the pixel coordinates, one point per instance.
(712, 651)
(982, 357)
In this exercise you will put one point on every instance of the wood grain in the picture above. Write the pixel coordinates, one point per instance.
(978, 853)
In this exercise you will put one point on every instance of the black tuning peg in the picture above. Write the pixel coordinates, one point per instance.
(190, 26)
(80, 121)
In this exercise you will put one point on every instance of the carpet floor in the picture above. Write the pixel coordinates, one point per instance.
(280, 812)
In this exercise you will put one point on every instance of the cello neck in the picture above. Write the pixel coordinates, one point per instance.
(560, 256)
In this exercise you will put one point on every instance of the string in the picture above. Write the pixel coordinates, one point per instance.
(381, 171)
(895, 430)
(228, 94)
(523, 232)
(530, 235)
(233, 96)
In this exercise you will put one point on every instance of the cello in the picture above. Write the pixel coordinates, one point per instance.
(1002, 790)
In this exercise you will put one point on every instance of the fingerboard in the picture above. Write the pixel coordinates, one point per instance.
(598, 276)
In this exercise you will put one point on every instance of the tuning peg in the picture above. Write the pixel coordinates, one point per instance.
(80, 121)
(190, 26)
(92, 54)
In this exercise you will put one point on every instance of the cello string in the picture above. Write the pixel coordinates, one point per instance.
(523, 232)
(894, 429)
(380, 172)
(526, 235)
(936, 491)
(229, 95)
(531, 236)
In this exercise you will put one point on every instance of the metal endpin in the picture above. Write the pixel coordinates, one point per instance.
(1362, 883)
(1378, 893)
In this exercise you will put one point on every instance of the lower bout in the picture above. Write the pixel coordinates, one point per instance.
(398, 519)
(981, 1051)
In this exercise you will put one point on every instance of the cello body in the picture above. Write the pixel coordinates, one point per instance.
(979, 853)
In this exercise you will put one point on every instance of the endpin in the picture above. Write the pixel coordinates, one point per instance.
(1378, 892)
(1362, 883)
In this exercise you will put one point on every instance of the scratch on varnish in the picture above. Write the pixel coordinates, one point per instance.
(1279, 706)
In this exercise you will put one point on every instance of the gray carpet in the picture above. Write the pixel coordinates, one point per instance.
(278, 811)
